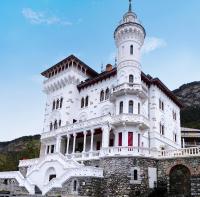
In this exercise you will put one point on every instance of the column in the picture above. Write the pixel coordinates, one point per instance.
(58, 143)
(74, 142)
(92, 140)
(105, 136)
(116, 139)
(68, 140)
(84, 143)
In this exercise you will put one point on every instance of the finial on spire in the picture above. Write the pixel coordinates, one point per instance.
(130, 5)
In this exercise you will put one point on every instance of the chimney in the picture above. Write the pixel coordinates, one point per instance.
(108, 67)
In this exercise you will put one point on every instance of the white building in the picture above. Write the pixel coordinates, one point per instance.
(90, 115)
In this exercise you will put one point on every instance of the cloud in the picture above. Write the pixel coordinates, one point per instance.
(43, 18)
(152, 44)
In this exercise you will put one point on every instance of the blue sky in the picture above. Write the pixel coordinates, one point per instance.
(35, 34)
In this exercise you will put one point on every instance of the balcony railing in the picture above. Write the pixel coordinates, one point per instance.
(133, 88)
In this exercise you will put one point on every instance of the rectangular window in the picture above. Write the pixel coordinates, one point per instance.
(52, 148)
(138, 140)
(98, 145)
(47, 149)
(130, 138)
(120, 139)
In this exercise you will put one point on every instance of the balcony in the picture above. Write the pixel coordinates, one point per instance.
(131, 119)
(129, 88)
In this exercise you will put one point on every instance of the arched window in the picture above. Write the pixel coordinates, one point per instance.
(121, 107)
(54, 105)
(52, 176)
(107, 94)
(130, 107)
(86, 101)
(131, 49)
(55, 124)
(57, 104)
(102, 95)
(75, 186)
(61, 102)
(135, 175)
(139, 108)
(60, 123)
(131, 79)
(82, 102)
(51, 126)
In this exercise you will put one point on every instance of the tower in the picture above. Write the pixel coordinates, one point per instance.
(129, 38)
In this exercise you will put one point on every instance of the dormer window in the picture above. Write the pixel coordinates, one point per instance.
(131, 49)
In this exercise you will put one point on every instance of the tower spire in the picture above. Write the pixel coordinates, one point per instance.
(130, 6)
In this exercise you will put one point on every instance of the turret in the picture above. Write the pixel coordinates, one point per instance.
(129, 38)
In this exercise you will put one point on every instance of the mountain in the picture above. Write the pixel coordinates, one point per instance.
(189, 95)
(11, 152)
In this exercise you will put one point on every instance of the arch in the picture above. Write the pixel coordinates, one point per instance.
(102, 95)
(106, 109)
(107, 94)
(49, 175)
(82, 117)
(179, 181)
(130, 107)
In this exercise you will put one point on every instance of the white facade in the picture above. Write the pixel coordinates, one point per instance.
(120, 112)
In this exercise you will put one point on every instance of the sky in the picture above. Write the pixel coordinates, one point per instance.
(36, 34)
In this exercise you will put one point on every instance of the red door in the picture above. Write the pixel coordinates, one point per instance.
(98, 145)
(120, 139)
(130, 138)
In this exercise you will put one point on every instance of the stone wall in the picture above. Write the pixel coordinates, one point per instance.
(12, 186)
(192, 164)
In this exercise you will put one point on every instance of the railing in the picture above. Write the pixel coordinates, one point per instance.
(80, 172)
(131, 87)
(130, 118)
(184, 152)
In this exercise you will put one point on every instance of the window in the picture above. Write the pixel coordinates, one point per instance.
(102, 95)
(5, 182)
(175, 137)
(54, 105)
(52, 176)
(120, 139)
(48, 148)
(161, 105)
(107, 94)
(174, 115)
(55, 124)
(162, 129)
(60, 123)
(130, 138)
(61, 102)
(130, 107)
(57, 104)
(75, 186)
(131, 49)
(51, 126)
(135, 175)
(121, 107)
(139, 108)
(82, 102)
(86, 101)
(131, 79)
(52, 148)
(138, 139)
